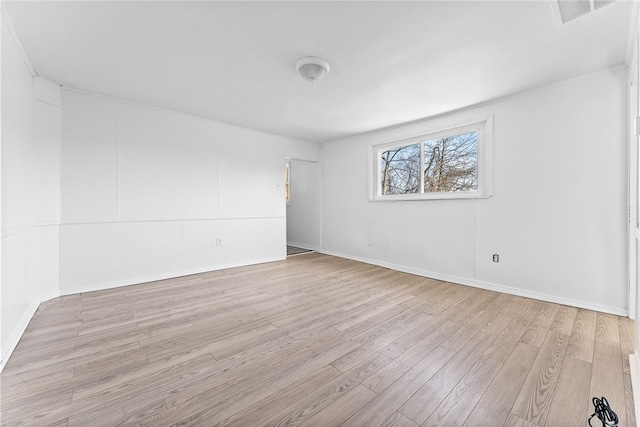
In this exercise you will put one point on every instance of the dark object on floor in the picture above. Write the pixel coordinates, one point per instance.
(293, 250)
(604, 413)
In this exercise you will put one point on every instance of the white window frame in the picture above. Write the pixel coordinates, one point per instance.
(484, 127)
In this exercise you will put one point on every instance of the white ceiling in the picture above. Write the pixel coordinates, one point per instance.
(391, 62)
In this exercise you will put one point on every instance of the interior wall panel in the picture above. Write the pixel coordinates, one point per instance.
(167, 165)
(251, 176)
(47, 157)
(150, 194)
(89, 161)
(98, 256)
(435, 236)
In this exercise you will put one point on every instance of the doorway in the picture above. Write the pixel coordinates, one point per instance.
(302, 187)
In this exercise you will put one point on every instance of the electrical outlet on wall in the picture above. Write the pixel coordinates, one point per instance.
(370, 241)
(218, 241)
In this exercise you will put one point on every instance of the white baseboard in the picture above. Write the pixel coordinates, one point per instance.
(486, 285)
(634, 364)
(17, 333)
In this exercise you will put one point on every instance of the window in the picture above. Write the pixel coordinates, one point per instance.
(447, 163)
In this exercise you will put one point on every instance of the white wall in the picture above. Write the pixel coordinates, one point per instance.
(30, 193)
(303, 210)
(557, 217)
(634, 254)
(147, 193)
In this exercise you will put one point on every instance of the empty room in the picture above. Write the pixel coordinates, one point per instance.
(320, 213)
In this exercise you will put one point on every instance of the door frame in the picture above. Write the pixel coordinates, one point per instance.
(634, 183)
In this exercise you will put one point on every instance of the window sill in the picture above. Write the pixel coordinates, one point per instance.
(431, 196)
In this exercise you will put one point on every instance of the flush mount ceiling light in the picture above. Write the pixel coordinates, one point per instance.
(312, 68)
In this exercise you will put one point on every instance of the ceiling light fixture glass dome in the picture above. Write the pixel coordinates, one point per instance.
(312, 68)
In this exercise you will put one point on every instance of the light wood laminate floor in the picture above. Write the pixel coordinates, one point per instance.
(314, 341)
